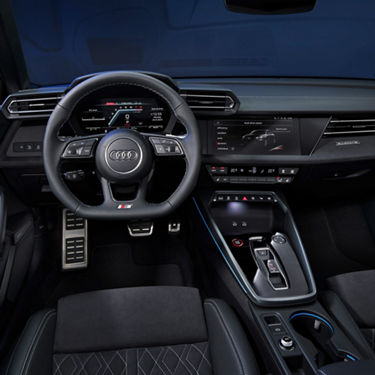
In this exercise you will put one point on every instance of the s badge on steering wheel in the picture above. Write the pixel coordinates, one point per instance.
(123, 156)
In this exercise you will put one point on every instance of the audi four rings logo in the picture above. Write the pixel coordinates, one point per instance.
(122, 155)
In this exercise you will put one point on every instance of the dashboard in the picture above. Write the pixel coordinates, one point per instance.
(263, 131)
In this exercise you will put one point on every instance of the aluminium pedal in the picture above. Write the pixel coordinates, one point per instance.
(74, 241)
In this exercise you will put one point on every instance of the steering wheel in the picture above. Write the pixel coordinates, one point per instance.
(122, 156)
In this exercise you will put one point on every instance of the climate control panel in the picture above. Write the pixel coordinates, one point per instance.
(252, 175)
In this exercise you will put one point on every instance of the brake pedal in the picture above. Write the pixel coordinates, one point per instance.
(74, 246)
(141, 229)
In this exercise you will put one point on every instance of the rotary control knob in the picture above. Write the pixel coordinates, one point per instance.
(279, 239)
(286, 342)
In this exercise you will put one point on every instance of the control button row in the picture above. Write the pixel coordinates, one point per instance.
(284, 180)
(244, 198)
(27, 146)
(242, 224)
(288, 171)
(218, 170)
(253, 171)
(80, 149)
(252, 180)
(166, 146)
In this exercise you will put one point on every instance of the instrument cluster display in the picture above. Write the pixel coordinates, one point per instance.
(142, 114)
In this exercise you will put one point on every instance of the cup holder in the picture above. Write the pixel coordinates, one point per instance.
(312, 325)
(319, 331)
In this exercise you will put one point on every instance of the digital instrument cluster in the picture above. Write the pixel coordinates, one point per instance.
(141, 114)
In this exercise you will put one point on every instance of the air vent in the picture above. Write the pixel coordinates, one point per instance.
(210, 101)
(341, 127)
(31, 106)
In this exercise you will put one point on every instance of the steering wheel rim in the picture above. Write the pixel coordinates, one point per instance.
(54, 148)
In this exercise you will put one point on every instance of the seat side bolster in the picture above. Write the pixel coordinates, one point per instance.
(332, 302)
(229, 347)
(33, 353)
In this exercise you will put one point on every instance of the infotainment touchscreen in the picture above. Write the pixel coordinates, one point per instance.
(256, 136)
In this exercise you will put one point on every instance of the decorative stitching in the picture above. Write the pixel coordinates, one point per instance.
(39, 330)
(185, 359)
(179, 357)
(35, 341)
(20, 339)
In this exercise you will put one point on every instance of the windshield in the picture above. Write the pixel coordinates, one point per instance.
(63, 39)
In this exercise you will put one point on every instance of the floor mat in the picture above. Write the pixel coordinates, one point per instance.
(114, 266)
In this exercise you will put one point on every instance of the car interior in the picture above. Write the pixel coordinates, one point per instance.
(187, 188)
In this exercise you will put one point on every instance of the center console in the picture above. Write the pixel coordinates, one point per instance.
(254, 234)
(260, 240)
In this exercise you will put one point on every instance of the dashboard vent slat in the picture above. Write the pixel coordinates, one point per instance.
(23, 106)
(341, 127)
(209, 101)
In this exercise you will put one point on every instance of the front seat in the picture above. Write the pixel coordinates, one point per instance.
(143, 331)
(356, 290)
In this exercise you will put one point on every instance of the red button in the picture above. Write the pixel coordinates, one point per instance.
(237, 242)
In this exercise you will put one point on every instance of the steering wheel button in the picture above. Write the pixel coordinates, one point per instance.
(89, 142)
(160, 149)
(155, 140)
(86, 151)
(164, 141)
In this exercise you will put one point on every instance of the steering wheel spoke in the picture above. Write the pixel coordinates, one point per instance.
(123, 156)
(106, 190)
(80, 148)
(168, 145)
(112, 203)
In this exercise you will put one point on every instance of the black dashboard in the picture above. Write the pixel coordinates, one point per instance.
(264, 131)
